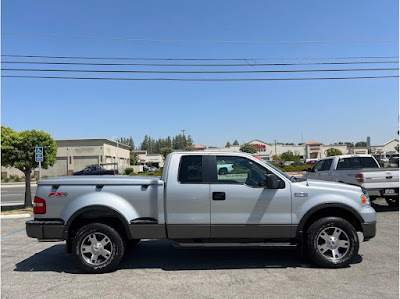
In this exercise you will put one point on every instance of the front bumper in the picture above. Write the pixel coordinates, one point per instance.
(369, 230)
(45, 230)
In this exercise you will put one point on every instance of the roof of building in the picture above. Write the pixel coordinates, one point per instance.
(312, 142)
(104, 140)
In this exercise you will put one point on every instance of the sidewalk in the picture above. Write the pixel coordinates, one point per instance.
(17, 184)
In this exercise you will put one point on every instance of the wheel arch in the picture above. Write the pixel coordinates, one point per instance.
(95, 213)
(329, 209)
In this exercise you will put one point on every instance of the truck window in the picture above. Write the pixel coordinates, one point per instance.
(368, 162)
(344, 163)
(326, 165)
(318, 165)
(190, 170)
(241, 171)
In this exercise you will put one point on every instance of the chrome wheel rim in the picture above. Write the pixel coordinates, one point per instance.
(96, 248)
(333, 243)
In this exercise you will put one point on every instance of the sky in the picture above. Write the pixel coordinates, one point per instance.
(212, 113)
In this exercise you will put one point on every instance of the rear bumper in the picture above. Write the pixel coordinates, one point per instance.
(45, 230)
(369, 230)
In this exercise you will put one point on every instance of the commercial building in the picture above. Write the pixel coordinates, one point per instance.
(156, 160)
(388, 150)
(76, 154)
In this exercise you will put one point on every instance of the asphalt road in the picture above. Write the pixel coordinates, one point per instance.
(155, 269)
(14, 194)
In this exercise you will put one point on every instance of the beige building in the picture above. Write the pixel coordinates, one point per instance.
(388, 150)
(76, 154)
(156, 160)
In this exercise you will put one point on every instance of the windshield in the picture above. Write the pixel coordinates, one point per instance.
(292, 179)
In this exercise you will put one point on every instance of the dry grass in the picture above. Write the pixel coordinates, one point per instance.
(5, 211)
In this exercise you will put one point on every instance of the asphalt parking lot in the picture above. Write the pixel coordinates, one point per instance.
(155, 269)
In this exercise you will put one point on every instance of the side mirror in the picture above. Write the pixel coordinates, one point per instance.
(272, 181)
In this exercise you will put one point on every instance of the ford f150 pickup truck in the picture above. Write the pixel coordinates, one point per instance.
(361, 170)
(192, 204)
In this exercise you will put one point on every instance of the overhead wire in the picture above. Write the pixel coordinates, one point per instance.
(198, 79)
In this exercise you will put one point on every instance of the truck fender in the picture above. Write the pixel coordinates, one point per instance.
(315, 209)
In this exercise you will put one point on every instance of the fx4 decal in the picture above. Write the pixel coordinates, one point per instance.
(57, 194)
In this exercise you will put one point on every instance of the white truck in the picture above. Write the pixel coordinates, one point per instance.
(362, 170)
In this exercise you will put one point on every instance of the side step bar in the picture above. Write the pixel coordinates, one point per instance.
(216, 245)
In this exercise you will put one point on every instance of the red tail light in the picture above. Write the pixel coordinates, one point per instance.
(359, 177)
(39, 205)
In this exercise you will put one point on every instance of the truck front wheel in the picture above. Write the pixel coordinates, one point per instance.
(98, 248)
(332, 242)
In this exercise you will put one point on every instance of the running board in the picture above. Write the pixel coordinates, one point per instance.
(214, 245)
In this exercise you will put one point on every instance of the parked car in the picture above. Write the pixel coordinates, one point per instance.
(297, 163)
(224, 168)
(311, 161)
(152, 168)
(95, 170)
(191, 205)
(361, 170)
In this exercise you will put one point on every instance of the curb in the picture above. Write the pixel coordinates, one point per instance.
(10, 185)
(14, 216)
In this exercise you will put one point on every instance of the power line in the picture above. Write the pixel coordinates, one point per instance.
(199, 72)
(200, 79)
(196, 65)
(194, 59)
(201, 41)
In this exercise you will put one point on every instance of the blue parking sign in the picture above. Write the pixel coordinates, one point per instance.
(39, 154)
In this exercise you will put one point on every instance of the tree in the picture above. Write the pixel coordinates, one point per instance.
(228, 144)
(166, 151)
(332, 152)
(290, 156)
(248, 148)
(134, 158)
(360, 144)
(131, 144)
(18, 150)
(235, 142)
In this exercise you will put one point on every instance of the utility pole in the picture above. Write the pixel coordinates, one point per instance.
(275, 147)
(183, 132)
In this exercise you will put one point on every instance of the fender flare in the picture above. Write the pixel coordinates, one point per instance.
(102, 208)
(319, 207)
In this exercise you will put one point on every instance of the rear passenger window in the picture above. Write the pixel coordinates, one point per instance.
(191, 170)
(327, 165)
(368, 162)
(344, 163)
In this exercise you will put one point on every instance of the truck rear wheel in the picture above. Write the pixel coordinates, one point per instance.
(332, 242)
(98, 248)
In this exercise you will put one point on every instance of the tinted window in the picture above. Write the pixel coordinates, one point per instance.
(326, 165)
(241, 171)
(191, 169)
(368, 162)
(318, 165)
(344, 163)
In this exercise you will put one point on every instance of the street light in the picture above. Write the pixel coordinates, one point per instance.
(116, 154)
(275, 147)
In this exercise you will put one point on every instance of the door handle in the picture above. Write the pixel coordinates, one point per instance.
(218, 196)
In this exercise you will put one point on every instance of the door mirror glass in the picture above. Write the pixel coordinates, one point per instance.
(272, 181)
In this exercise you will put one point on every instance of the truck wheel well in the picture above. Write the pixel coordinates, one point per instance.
(103, 215)
(333, 212)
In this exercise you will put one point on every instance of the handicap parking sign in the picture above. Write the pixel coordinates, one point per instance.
(39, 154)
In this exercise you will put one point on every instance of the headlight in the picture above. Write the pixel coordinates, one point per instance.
(365, 199)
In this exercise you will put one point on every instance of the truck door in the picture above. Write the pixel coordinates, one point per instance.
(242, 206)
(187, 201)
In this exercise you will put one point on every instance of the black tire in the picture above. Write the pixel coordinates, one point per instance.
(392, 201)
(332, 253)
(108, 256)
(223, 171)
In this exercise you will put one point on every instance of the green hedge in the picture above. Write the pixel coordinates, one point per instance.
(128, 171)
(290, 168)
(155, 173)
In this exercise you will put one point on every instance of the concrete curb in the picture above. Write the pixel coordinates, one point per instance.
(11, 185)
(14, 216)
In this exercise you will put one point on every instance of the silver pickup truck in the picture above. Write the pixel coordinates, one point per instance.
(192, 204)
(361, 170)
